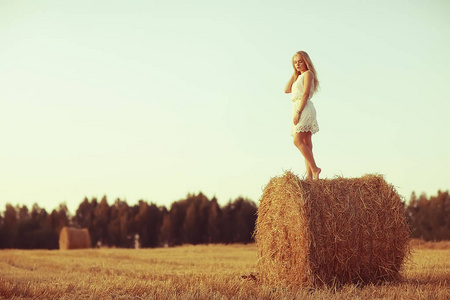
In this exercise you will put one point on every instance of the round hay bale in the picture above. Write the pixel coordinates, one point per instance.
(328, 232)
(73, 238)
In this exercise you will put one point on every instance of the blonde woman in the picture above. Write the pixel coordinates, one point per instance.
(302, 85)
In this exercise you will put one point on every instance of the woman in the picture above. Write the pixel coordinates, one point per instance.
(303, 84)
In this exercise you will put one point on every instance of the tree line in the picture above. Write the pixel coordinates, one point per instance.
(429, 218)
(194, 220)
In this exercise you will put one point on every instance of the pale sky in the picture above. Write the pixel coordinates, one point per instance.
(152, 100)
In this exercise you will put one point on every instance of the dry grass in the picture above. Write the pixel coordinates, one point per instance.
(332, 231)
(192, 272)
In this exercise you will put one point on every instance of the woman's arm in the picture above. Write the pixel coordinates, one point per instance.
(288, 87)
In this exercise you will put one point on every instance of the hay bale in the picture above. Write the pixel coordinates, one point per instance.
(328, 232)
(73, 238)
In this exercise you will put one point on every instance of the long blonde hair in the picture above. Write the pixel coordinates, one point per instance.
(309, 65)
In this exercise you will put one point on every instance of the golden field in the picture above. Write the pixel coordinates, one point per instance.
(194, 272)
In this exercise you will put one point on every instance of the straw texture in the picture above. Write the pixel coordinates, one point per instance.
(328, 232)
(73, 238)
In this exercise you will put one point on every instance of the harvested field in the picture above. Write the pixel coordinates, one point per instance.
(192, 272)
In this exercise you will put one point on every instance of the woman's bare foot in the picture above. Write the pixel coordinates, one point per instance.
(316, 173)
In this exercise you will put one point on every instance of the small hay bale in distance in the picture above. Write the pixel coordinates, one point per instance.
(330, 232)
(73, 238)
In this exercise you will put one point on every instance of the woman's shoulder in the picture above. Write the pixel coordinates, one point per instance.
(308, 73)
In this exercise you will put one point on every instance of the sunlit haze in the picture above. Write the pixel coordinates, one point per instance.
(152, 100)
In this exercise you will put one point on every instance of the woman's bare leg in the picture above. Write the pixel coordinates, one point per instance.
(309, 173)
(302, 140)
(308, 142)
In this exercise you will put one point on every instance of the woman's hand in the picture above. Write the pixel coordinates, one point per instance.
(296, 118)
(288, 88)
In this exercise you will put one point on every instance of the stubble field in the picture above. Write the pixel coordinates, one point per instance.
(193, 272)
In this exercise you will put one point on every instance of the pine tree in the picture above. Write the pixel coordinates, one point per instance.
(10, 227)
(100, 223)
(214, 219)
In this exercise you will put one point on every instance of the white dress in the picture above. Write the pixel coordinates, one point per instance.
(308, 121)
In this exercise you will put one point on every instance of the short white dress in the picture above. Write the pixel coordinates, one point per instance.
(308, 120)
